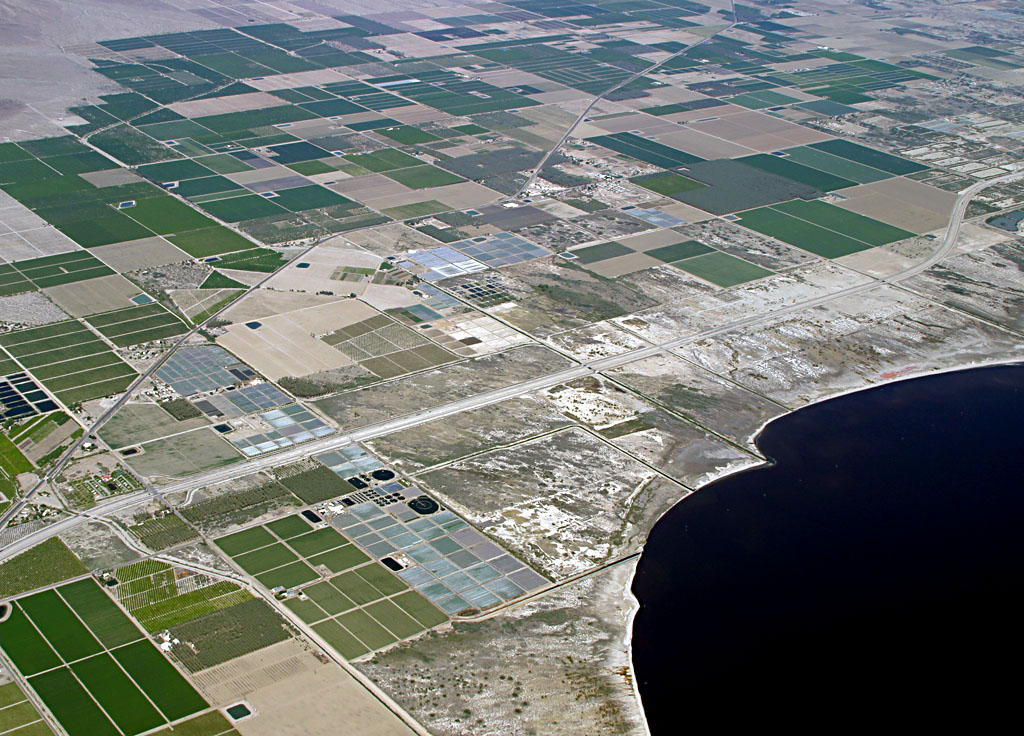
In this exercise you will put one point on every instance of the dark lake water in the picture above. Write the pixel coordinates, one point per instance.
(872, 575)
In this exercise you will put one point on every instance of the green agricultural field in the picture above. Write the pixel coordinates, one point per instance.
(844, 221)
(12, 461)
(228, 633)
(263, 260)
(340, 559)
(61, 627)
(313, 197)
(381, 579)
(340, 639)
(423, 177)
(329, 598)
(356, 587)
(816, 178)
(158, 679)
(315, 485)
(601, 252)
(762, 99)
(417, 209)
(869, 156)
(316, 542)
(646, 150)
(247, 207)
(210, 241)
(120, 695)
(836, 165)
(802, 234)
(24, 646)
(286, 528)
(169, 171)
(288, 576)
(104, 619)
(383, 160)
(722, 269)
(117, 694)
(420, 609)
(166, 215)
(114, 228)
(265, 559)
(311, 168)
(164, 607)
(669, 184)
(394, 619)
(12, 281)
(223, 163)
(330, 108)
(134, 325)
(245, 541)
(235, 121)
(71, 705)
(678, 251)
(63, 268)
(78, 365)
(306, 610)
(47, 563)
(18, 716)
(74, 396)
(407, 135)
(366, 629)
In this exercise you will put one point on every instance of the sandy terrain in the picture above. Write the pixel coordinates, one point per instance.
(294, 693)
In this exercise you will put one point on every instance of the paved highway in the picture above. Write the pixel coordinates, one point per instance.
(455, 407)
(413, 419)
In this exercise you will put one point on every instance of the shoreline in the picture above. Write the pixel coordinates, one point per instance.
(752, 439)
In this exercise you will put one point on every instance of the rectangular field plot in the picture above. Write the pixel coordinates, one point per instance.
(210, 241)
(159, 599)
(265, 559)
(355, 604)
(835, 165)
(645, 150)
(63, 268)
(292, 425)
(501, 249)
(18, 717)
(70, 361)
(456, 568)
(196, 368)
(104, 619)
(821, 228)
(869, 156)
(722, 269)
(91, 666)
(843, 221)
(816, 178)
(135, 325)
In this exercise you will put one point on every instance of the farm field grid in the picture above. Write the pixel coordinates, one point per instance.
(348, 355)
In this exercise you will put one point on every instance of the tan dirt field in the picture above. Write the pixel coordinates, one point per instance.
(298, 79)
(94, 295)
(704, 144)
(295, 694)
(267, 302)
(136, 254)
(232, 103)
(901, 202)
